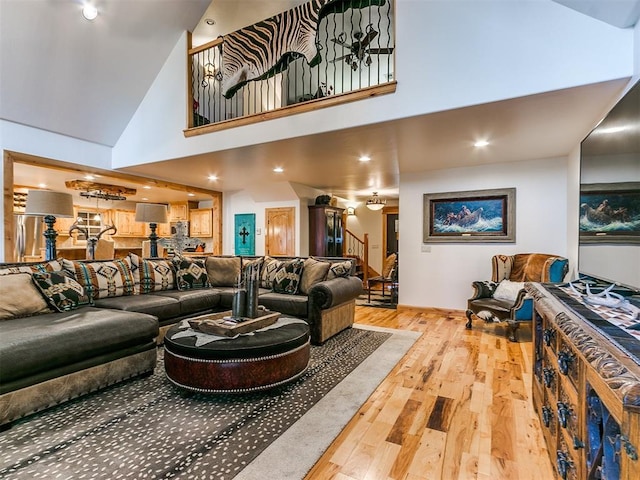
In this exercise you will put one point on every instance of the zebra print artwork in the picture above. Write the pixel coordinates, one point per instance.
(266, 48)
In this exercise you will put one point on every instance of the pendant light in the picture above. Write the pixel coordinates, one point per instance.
(375, 202)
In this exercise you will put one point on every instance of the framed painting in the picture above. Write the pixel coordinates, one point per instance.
(610, 213)
(245, 233)
(474, 216)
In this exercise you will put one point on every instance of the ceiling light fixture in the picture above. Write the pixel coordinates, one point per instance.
(42, 185)
(278, 169)
(147, 187)
(481, 143)
(365, 158)
(191, 194)
(89, 12)
(210, 21)
(89, 177)
(213, 178)
(375, 202)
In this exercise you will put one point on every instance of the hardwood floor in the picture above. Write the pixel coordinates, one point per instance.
(457, 406)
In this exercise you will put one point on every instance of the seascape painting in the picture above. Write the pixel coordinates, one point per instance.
(483, 215)
(610, 213)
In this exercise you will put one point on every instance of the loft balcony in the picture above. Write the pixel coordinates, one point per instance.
(319, 54)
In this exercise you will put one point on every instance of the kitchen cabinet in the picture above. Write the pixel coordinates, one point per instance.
(201, 222)
(163, 230)
(179, 211)
(586, 387)
(125, 222)
(325, 231)
(63, 225)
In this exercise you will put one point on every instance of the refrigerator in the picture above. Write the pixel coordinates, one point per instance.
(29, 232)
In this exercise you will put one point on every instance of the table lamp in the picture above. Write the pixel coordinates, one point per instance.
(48, 204)
(152, 213)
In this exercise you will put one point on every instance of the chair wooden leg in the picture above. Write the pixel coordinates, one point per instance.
(512, 330)
(468, 313)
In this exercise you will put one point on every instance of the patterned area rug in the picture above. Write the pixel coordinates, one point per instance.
(148, 428)
(377, 300)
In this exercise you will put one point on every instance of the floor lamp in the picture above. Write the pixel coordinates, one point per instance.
(152, 213)
(48, 204)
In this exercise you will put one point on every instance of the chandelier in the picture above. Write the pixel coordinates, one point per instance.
(375, 202)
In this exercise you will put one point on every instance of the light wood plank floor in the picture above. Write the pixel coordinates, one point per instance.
(457, 406)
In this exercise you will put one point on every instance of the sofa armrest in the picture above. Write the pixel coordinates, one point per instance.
(483, 289)
(333, 292)
(523, 307)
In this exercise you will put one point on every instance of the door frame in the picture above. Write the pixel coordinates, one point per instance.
(386, 211)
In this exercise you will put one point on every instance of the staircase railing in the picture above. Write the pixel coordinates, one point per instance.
(359, 250)
(255, 73)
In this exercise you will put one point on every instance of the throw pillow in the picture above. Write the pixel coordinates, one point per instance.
(223, 271)
(150, 275)
(19, 297)
(269, 269)
(508, 290)
(339, 269)
(51, 266)
(103, 279)
(313, 272)
(287, 277)
(62, 292)
(190, 273)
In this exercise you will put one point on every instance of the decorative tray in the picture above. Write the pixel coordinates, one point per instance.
(224, 325)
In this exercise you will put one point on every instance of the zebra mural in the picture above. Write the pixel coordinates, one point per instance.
(266, 48)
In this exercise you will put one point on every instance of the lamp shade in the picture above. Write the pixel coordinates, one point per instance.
(46, 202)
(151, 213)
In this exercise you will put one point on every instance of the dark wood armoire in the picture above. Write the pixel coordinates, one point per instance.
(325, 231)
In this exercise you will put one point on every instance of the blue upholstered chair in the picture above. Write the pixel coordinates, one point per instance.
(503, 299)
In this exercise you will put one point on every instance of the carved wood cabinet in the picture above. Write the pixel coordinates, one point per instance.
(325, 231)
(585, 389)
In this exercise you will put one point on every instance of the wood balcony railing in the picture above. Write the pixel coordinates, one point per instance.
(316, 55)
(358, 249)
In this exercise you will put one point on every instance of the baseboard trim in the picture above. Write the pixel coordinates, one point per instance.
(406, 308)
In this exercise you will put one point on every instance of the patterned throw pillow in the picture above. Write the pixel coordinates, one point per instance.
(339, 269)
(51, 266)
(190, 273)
(287, 277)
(150, 275)
(103, 279)
(269, 269)
(62, 292)
(19, 297)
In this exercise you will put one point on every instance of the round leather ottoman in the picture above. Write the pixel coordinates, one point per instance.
(255, 361)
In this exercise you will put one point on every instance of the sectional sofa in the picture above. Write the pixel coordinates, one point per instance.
(71, 327)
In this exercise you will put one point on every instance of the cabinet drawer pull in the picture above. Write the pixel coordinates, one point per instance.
(564, 464)
(548, 335)
(564, 410)
(577, 443)
(565, 359)
(547, 414)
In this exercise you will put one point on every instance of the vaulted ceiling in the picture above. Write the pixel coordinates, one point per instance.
(60, 73)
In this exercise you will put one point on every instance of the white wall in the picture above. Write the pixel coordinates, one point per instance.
(368, 221)
(449, 54)
(242, 202)
(442, 278)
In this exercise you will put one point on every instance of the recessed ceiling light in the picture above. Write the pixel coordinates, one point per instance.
(191, 194)
(481, 143)
(365, 158)
(42, 185)
(213, 178)
(278, 169)
(147, 187)
(210, 21)
(89, 12)
(89, 177)
(145, 198)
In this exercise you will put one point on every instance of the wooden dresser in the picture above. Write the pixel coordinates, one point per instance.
(586, 386)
